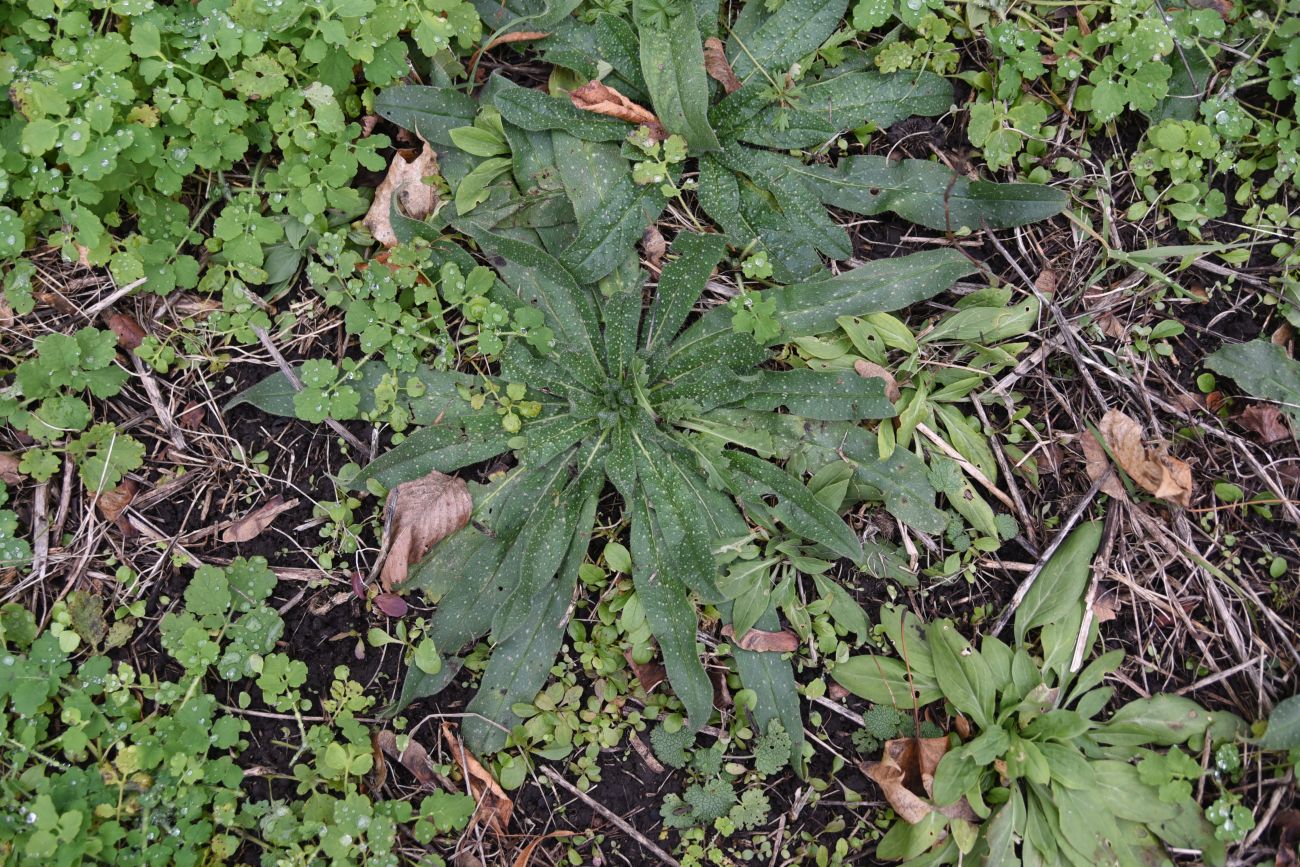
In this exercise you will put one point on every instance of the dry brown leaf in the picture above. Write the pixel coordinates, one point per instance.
(9, 468)
(1097, 463)
(525, 855)
(600, 98)
(653, 246)
(418, 514)
(112, 503)
(649, 675)
(871, 370)
(494, 806)
(192, 416)
(1046, 282)
(1264, 421)
(129, 333)
(717, 66)
(414, 758)
(1105, 607)
(905, 773)
(254, 523)
(405, 179)
(764, 642)
(1154, 470)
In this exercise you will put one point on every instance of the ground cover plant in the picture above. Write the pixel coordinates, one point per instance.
(786, 432)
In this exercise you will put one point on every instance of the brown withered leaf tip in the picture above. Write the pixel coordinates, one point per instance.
(1265, 422)
(905, 774)
(761, 641)
(1153, 469)
(418, 514)
(405, 179)
(253, 524)
(716, 65)
(599, 98)
(129, 333)
(871, 370)
(1097, 463)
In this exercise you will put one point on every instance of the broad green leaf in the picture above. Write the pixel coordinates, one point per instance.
(797, 507)
(430, 112)
(472, 190)
(1058, 590)
(832, 395)
(605, 238)
(719, 195)
(692, 258)
(536, 111)
(961, 672)
(1262, 369)
(680, 517)
(1283, 732)
(620, 48)
(1162, 719)
(672, 64)
(445, 447)
(671, 616)
(986, 325)
(929, 194)
(770, 43)
(521, 665)
(812, 307)
(828, 107)
(885, 680)
(540, 280)
(772, 679)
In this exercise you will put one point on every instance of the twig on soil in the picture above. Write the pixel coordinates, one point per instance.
(970, 469)
(1025, 586)
(1099, 566)
(852, 716)
(297, 386)
(604, 811)
(155, 400)
(109, 300)
(1022, 514)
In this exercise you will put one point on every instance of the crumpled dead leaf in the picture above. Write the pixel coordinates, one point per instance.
(1264, 421)
(600, 98)
(717, 65)
(871, 370)
(254, 523)
(9, 468)
(112, 503)
(129, 333)
(1154, 470)
(494, 806)
(525, 856)
(415, 198)
(1097, 463)
(905, 774)
(418, 514)
(653, 246)
(191, 416)
(414, 758)
(761, 641)
(649, 675)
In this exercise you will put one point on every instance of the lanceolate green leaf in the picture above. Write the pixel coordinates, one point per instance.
(670, 615)
(521, 664)
(832, 105)
(431, 112)
(929, 194)
(536, 111)
(797, 507)
(885, 680)
(833, 395)
(772, 680)
(672, 64)
(445, 447)
(797, 28)
(604, 239)
(962, 674)
(693, 257)
(1262, 369)
(1058, 590)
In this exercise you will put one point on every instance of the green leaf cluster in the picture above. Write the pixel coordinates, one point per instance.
(1042, 765)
